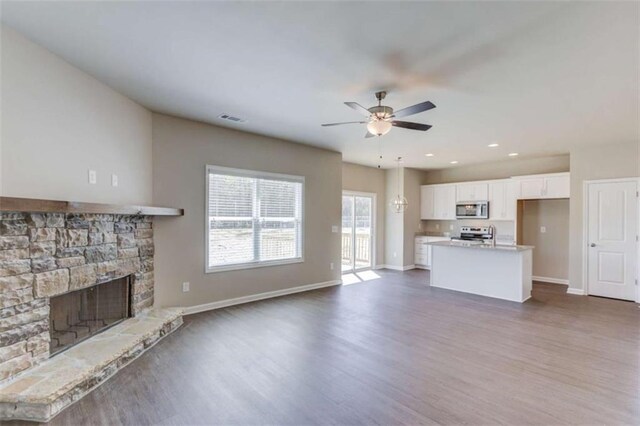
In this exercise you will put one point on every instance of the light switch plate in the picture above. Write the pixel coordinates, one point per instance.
(334, 229)
(93, 177)
(543, 229)
(114, 180)
(186, 287)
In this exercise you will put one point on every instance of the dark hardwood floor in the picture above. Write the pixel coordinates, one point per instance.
(387, 351)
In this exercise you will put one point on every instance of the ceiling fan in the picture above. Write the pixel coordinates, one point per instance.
(381, 118)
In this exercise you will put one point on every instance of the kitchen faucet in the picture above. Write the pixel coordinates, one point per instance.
(492, 231)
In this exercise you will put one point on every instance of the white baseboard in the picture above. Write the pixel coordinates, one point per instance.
(551, 280)
(576, 291)
(255, 297)
(397, 268)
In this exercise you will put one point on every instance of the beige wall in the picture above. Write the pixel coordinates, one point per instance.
(550, 257)
(181, 150)
(591, 163)
(372, 180)
(58, 122)
(499, 169)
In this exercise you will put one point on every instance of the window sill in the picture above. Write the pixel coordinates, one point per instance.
(253, 265)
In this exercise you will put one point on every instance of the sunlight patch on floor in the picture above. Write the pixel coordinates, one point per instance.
(358, 277)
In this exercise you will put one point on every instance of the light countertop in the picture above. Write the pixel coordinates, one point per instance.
(470, 245)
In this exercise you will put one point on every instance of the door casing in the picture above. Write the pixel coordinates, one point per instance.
(585, 230)
(374, 207)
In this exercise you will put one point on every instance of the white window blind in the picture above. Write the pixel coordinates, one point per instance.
(253, 218)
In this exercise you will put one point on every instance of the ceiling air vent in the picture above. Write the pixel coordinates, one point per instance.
(231, 118)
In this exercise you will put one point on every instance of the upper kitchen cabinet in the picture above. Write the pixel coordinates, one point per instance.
(445, 202)
(427, 204)
(503, 199)
(555, 185)
(472, 191)
(438, 202)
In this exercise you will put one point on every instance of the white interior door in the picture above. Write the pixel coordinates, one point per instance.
(612, 229)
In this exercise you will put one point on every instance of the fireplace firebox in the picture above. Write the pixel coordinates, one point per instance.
(80, 314)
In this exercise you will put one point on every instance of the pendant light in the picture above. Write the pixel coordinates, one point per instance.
(399, 204)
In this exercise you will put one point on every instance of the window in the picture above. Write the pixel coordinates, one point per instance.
(253, 219)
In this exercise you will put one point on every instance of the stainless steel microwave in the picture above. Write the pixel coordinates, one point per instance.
(472, 210)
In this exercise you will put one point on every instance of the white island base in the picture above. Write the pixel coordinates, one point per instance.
(503, 272)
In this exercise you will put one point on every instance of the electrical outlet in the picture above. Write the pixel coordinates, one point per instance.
(394, 254)
(331, 266)
(93, 177)
(186, 287)
(114, 180)
(543, 229)
(437, 226)
(450, 227)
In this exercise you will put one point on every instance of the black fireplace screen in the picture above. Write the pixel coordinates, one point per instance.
(80, 314)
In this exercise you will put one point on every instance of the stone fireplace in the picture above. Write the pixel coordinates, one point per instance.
(44, 255)
(68, 281)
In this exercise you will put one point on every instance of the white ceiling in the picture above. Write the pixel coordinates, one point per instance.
(537, 78)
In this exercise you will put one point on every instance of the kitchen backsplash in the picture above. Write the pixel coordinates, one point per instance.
(504, 229)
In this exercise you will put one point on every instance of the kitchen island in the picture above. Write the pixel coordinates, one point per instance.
(500, 271)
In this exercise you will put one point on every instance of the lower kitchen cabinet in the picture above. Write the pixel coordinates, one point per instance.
(423, 251)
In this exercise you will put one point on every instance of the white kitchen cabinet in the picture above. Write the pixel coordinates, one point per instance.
(472, 191)
(438, 202)
(503, 199)
(556, 185)
(423, 251)
(427, 205)
(511, 200)
(531, 188)
(444, 197)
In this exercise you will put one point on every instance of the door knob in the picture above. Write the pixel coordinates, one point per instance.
(593, 244)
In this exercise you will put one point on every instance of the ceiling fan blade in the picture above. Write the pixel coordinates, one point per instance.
(414, 109)
(410, 125)
(345, 122)
(369, 135)
(356, 106)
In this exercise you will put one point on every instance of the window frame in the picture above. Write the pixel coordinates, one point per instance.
(231, 171)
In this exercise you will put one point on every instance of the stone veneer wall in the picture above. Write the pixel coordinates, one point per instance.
(46, 254)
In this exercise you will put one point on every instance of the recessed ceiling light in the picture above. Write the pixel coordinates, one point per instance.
(493, 145)
(454, 162)
(513, 154)
(428, 155)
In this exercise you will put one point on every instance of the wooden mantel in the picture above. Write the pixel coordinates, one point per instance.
(10, 204)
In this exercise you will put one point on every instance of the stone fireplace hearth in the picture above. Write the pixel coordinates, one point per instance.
(66, 279)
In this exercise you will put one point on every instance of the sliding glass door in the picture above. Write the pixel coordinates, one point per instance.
(357, 231)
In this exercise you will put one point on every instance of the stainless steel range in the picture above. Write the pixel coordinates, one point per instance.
(481, 234)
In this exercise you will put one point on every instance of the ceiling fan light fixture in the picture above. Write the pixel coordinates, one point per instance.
(379, 127)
